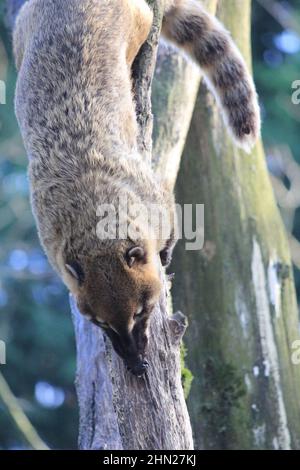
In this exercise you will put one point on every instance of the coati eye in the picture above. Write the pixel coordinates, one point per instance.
(139, 312)
(100, 323)
(76, 271)
(135, 254)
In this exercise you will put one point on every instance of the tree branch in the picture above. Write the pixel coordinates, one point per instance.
(20, 419)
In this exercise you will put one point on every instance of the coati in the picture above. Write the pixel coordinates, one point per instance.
(76, 111)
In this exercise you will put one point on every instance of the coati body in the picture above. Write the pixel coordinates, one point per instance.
(77, 116)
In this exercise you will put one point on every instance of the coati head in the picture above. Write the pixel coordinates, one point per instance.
(116, 282)
(117, 291)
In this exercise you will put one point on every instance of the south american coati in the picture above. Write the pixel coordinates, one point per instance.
(76, 112)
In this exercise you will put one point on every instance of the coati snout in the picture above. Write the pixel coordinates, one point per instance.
(117, 292)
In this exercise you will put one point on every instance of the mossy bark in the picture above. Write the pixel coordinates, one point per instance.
(238, 290)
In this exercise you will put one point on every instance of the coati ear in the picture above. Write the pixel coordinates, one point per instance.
(135, 255)
(76, 271)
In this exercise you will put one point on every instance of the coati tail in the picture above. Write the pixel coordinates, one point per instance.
(189, 26)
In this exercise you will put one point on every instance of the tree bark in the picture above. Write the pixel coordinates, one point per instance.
(120, 411)
(239, 290)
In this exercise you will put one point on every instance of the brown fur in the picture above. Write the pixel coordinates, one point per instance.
(77, 116)
(205, 39)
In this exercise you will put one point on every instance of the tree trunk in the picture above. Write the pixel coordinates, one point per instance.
(120, 411)
(239, 290)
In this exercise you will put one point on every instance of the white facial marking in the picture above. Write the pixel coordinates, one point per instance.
(72, 271)
(139, 310)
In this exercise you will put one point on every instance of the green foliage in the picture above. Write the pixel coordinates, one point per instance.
(186, 374)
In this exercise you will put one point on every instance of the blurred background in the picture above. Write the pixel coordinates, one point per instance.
(35, 320)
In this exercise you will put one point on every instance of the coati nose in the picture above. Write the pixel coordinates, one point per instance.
(126, 347)
(139, 369)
